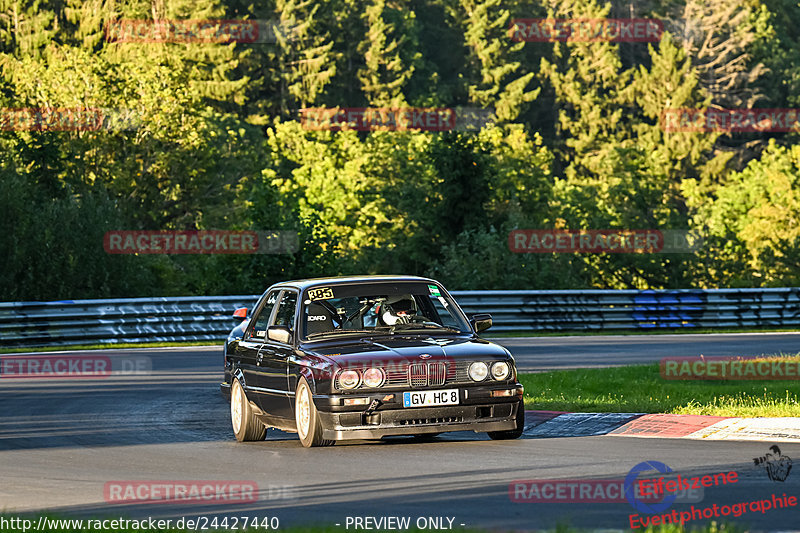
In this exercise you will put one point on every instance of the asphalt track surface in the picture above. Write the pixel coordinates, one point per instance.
(62, 441)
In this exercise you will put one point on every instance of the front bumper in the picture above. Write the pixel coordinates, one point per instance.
(477, 411)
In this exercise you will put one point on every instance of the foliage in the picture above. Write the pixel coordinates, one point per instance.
(214, 141)
(754, 220)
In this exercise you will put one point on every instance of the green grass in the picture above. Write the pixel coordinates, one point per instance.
(641, 389)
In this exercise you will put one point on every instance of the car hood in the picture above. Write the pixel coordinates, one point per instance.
(409, 348)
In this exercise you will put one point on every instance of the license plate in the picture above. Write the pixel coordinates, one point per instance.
(429, 398)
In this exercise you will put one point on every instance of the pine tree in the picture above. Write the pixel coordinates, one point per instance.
(498, 80)
(307, 60)
(385, 73)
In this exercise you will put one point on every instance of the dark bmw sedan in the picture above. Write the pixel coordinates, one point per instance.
(364, 358)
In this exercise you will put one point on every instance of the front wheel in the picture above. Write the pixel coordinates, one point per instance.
(245, 424)
(309, 426)
(512, 433)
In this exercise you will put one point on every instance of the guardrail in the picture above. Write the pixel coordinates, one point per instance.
(209, 318)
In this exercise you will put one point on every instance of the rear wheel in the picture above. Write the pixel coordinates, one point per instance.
(512, 433)
(309, 426)
(245, 424)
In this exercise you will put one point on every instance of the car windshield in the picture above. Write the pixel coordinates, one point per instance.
(379, 308)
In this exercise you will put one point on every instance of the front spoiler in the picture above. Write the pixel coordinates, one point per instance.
(418, 421)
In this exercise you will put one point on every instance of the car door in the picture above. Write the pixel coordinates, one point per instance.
(277, 399)
(251, 343)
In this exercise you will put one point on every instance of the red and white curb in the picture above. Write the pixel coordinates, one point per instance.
(771, 429)
(552, 424)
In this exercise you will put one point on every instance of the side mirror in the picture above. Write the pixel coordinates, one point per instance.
(481, 322)
(240, 313)
(280, 334)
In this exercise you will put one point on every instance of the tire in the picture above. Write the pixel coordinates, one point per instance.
(309, 426)
(512, 433)
(245, 425)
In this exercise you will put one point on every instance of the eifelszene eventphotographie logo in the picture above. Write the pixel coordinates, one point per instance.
(775, 463)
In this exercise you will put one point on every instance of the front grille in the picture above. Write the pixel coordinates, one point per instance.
(436, 374)
(418, 374)
(427, 374)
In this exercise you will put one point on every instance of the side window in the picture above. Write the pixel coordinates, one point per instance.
(285, 314)
(445, 317)
(260, 322)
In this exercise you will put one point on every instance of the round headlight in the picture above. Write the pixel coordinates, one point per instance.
(349, 379)
(500, 370)
(478, 371)
(373, 377)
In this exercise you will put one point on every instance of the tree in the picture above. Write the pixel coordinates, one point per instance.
(385, 72)
(307, 60)
(494, 58)
(753, 222)
(720, 37)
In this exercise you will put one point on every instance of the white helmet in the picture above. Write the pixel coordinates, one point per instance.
(398, 309)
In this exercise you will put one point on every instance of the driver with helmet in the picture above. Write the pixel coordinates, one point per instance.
(398, 310)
